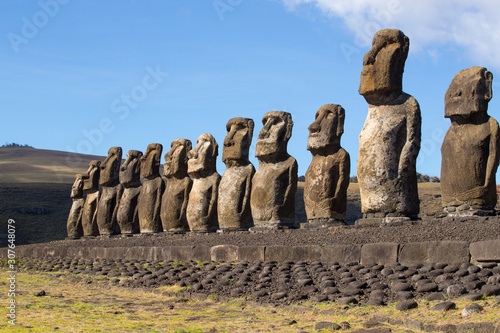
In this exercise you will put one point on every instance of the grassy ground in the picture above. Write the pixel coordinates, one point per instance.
(90, 304)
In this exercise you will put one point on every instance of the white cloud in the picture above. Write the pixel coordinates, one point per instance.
(473, 25)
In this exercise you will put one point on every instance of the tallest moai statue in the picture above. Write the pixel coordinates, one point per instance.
(470, 149)
(390, 139)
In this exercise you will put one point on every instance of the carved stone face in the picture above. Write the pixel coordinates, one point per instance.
(150, 162)
(383, 65)
(130, 170)
(469, 92)
(176, 158)
(238, 139)
(77, 188)
(202, 158)
(274, 136)
(110, 168)
(327, 127)
(91, 178)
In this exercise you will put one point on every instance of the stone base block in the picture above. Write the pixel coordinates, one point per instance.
(231, 230)
(322, 223)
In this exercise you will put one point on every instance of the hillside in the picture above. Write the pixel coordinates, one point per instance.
(31, 165)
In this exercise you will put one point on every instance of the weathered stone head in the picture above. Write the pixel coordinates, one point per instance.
(110, 168)
(383, 66)
(91, 178)
(176, 159)
(238, 140)
(469, 93)
(77, 188)
(327, 128)
(202, 159)
(130, 170)
(274, 136)
(150, 162)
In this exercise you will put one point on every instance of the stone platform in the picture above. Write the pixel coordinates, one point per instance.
(446, 240)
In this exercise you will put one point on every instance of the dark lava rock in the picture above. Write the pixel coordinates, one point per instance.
(427, 287)
(444, 306)
(406, 305)
(319, 298)
(347, 300)
(456, 290)
(489, 290)
(279, 295)
(351, 291)
(326, 325)
(305, 282)
(404, 295)
(474, 285)
(473, 297)
(401, 286)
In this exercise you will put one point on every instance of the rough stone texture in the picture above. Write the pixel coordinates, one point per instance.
(470, 150)
(91, 188)
(485, 251)
(431, 252)
(275, 182)
(380, 253)
(130, 178)
(390, 139)
(251, 253)
(341, 253)
(149, 202)
(294, 253)
(175, 197)
(74, 223)
(111, 192)
(236, 182)
(224, 253)
(327, 178)
(202, 205)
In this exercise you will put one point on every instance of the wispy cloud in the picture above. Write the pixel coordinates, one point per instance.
(471, 25)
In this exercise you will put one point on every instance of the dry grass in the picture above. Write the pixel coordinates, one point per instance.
(84, 304)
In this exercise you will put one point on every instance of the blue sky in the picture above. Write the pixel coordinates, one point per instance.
(83, 76)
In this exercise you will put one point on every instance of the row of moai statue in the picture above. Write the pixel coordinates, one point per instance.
(134, 197)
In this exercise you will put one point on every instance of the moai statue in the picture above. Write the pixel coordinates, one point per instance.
(130, 178)
(91, 188)
(202, 205)
(327, 178)
(74, 224)
(274, 184)
(111, 192)
(234, 190)
(470, 150)
(390, 139)
(175, 198)
(151, 191)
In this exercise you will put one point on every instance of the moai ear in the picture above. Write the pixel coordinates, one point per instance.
(488, 77)
(340, 121)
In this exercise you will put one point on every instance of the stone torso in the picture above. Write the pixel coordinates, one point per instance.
(273, 192)
(322, 182)
(386, 161)
(469, 144)
(149, 205)
(174, 203)
(202, 205)
(234, 197)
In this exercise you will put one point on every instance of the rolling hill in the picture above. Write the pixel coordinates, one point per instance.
(31, 165)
